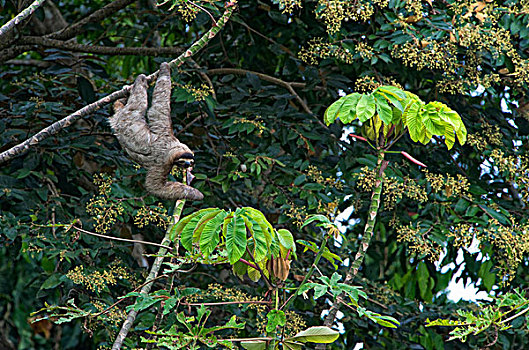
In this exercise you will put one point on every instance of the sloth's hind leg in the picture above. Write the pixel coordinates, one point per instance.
(129, 123)
(160, 112)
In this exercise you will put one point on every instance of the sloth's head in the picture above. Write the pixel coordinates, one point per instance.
(185, 160)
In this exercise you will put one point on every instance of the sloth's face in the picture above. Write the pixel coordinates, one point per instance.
(185, 161)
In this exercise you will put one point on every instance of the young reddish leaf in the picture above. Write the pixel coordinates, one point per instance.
(413, 160)
(358, 137)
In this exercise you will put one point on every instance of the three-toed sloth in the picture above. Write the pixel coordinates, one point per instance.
(154, 145)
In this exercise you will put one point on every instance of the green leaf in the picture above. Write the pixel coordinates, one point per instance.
(318, 217)
(498, 216)
(211, 234)
(291, 345)
(254, 274)
(331, 113)
(432, 121)
(176, 229)
(51, 282)
(318, 334)
(254, 345)
(319, 290)
(260, 246)
(275, 318)
(395, 101)
(343, 108)
(186, 237)
(202, 223)
(462, 134)
(385, 321)
(450, 137)
(365, 108)
(348, 111)
(385, 113)
(393, 91)
(259, 217)
(411, 119)
(235, 238)
(286, 239)
(239, 269)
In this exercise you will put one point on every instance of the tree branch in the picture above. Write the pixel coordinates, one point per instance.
(54, 128)
(20, 17)
(286, 85)
(98, 15)
(101, 50)
(177, 211)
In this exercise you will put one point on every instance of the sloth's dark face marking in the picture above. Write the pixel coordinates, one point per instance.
(186, 160)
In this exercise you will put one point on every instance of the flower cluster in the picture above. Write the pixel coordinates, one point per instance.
(511, 245)
(452, 186)
(418, 241)
(98, 280)
(200, 93)
(516, 168)
(104, 212)
(394, 189)
(114, 316)
(153, 214)
(463, 235)
(317, 49)
(315, 175)
(369, 83)
(257, 123)
(441, 56)
(334, 12)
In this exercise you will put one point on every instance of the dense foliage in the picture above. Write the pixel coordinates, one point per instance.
(251, 105)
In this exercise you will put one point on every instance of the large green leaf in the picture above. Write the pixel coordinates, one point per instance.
(450, 137)
(186, 238)
(177, 229)
(432, 121)
(394, 96)
(201, 223)
(412, 120)
(266, 227)
(211, 234)
(235, 238)
(286, 239)
(348, 111)
(462, 134)
(393, 91)
(317, 217)
(385, 113)
(260, 246)
(318, 334)
(331, 113)
(365, 108)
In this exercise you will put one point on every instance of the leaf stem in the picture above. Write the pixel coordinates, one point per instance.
(308, 275)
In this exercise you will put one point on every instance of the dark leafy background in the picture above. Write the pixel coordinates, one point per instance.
(252, 120)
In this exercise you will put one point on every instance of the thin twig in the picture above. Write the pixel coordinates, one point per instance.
(246, 339)
(121, 239)
(206, 11)
(98, 15)
(228, 303)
